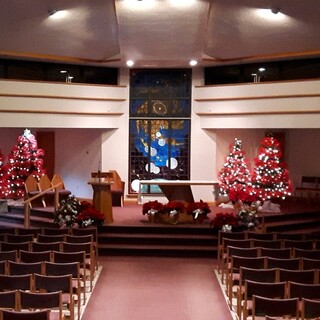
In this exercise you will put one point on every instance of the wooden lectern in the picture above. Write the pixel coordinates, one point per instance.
(102, 200)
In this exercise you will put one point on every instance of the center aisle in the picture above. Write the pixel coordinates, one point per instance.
(152, 288)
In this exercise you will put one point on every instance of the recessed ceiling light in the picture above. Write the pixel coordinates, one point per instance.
(193, 62)
(271, 14)
(130, 63)
(57, 14)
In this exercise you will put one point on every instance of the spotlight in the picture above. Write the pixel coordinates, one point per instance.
(275, 10)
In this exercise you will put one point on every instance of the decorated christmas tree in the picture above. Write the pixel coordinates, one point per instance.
(235, 177)
(270, 177)
(3, 177)
(24, 159)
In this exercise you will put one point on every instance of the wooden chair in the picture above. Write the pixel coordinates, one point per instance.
(88, 248)
(292, 264)
(44, 238)
(233, 278)
(310, 263)
(18, 238)
(10, 246)
(30, 256)
(310, 254)
(31, 190)
(274, 290)
(27, 315)
(223, 250)
(45, 246)
(22, 282)
(3, 266)
(308, 186)
(230, 247)
(298, 244)
(262, 306)
(22, 268)
(302, 276)
(33, 231)
(261, 235)
(253, 274)
(59, 184)
(79, 239)
(303, 290)
(63, 283)
(290, 236)
(11, 255)
(89, 231)
(73, 268)
(71, 257)
(310, 309)
(10, 230)
(274, 244)
(45, 184)
(42, 301)
(54, 231)
(9, 300)
(283, 253)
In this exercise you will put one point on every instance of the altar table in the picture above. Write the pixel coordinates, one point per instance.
(177, 189)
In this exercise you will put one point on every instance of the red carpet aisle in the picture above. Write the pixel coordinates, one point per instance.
(147, 288)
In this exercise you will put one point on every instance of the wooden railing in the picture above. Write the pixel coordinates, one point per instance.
(41, 194)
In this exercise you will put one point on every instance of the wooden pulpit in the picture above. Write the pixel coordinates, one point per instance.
(102, 200)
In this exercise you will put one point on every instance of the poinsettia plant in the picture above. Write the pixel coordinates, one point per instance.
(224, 218)
(175, 205)
(152, 207)
(197, 209)
(72, 213)
(244, 194)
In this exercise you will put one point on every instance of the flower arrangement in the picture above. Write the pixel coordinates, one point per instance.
(244, 195)
(247, 217)
(224, 218)
(89, 215)
(198, 209)
(73, 213)
(152, 209)
(173, 208)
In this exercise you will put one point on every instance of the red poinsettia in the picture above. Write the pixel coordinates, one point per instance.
(152, 205)
(89, 215)
(176, 205)
(224, 218)
(198, 207)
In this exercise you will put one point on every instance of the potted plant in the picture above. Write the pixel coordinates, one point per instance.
(153, 209)
(198, 210)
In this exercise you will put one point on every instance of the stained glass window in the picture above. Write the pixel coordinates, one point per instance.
(160, 108)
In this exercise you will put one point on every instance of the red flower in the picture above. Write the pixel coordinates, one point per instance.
(155, 205)
(223, 218)
(202, 206)
(174, 205)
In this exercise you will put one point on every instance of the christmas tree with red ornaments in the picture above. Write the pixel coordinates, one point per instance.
(3, 176)
(235, 176)
(24, 159)
(270, 177)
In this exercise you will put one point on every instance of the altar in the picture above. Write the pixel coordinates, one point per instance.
(177, 189)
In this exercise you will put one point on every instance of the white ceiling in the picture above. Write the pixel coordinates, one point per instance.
(158, 33)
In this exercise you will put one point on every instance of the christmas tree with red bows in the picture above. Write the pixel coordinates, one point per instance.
(24, 159)
(235, 177)
(270, 177)
(3, 177)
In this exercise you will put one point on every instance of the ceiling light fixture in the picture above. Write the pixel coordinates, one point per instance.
(275, 10)
(57, 14)
(193, 63)
(130, 63)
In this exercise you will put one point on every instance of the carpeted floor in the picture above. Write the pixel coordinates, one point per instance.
(149, 288)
